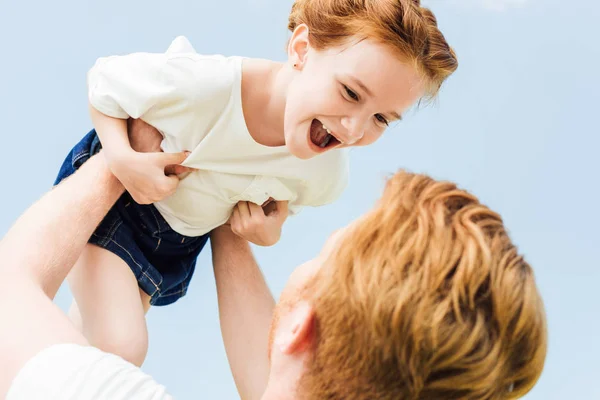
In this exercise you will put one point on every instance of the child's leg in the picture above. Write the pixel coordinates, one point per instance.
(108, 304)
(75, 314)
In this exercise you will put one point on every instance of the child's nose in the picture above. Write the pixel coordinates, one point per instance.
(355, 128)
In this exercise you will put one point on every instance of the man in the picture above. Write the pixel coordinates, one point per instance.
(424, 297)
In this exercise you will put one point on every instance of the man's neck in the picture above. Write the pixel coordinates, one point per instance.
(276, 391)
(285, 377)
(264, 87)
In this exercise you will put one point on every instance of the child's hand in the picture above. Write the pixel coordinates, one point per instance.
(146, 176)
(259, 225)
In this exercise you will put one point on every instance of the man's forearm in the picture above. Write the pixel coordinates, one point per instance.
(245, 308)
(48, 238)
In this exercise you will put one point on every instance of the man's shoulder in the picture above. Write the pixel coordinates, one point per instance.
(85, 372)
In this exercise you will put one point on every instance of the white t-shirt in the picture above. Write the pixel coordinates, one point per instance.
(195, 101)
(74, 372)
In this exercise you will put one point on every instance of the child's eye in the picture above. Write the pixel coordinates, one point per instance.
(382, 119)
(351, 93)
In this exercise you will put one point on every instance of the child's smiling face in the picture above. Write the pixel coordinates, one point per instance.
(345, 96)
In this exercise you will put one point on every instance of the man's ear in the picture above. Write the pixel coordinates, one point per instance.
(298, 46)
(297, 332)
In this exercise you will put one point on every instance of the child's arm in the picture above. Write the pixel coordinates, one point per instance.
(142, 174)
(246, 307)
(137, 85)
(112, 133)
(259, 225)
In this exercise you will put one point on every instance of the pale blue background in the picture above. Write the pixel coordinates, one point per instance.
(517, 125)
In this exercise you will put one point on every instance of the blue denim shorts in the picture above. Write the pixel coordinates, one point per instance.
(161, 259)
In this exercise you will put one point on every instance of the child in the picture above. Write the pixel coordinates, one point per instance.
(257, 130)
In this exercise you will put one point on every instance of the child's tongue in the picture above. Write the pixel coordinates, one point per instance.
(318, 135)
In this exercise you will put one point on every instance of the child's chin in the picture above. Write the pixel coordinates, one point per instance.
(301, 152)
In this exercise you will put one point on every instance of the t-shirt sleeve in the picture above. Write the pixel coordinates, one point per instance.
(153, 86)
(130, 85)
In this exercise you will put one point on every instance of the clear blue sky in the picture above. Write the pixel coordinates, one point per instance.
(515, 125)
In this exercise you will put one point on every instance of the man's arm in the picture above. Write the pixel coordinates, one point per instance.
(48, 238)
(245, 309)
(36, 255)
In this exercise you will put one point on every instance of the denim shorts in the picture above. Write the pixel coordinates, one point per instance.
(161, 259)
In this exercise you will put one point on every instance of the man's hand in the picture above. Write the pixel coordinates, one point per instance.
(259, 225)
(143, 138)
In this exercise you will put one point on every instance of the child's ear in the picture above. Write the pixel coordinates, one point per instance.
(298, 46)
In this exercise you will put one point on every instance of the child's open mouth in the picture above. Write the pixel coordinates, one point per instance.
(321, 137)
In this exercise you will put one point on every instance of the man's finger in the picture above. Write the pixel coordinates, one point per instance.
(232, 217)
(236, 216)
(235, 220)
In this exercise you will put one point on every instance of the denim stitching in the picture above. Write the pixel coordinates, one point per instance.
(184, 287)
(140, 267)
(111, 233)
(174, 293)
(79, 157)
(156, 234)
(157, 223)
